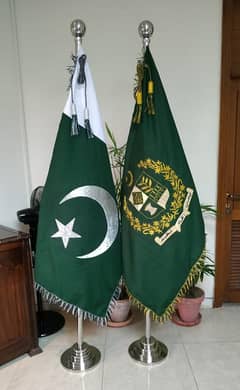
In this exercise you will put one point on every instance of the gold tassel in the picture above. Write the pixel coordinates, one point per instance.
(138, 93)
(138, 112)
(150, 105)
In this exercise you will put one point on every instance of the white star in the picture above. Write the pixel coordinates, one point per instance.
(65, 232)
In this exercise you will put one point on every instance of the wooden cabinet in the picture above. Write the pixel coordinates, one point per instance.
(18, 329)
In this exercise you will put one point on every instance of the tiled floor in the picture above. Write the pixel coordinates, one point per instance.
(204, 357)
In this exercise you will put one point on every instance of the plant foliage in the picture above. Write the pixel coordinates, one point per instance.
(117, 158)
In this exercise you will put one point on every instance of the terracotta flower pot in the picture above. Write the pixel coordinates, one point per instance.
(120, 311)
(188, 308)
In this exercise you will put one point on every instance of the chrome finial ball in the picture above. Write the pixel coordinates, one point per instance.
(145, 29)
(78, 28)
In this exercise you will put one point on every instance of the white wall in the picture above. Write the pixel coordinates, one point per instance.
(14, 180)
(186, 47)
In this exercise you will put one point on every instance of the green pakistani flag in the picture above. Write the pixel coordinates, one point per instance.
(162, 226)
(78, 255)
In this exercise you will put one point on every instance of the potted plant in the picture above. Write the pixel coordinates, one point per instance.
(121, 314)
(188, 308)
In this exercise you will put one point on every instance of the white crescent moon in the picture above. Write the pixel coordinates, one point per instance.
(106, 201)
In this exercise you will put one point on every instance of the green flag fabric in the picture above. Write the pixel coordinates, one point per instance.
(78, 255)
(162, 226)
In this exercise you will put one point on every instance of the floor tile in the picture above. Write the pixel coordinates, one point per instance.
(174, 374)
(217, 325)
(203, 357)
(127, 378)
(121, 372)
(8, 370)
(215, 365)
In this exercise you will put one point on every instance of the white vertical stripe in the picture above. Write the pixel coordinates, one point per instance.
(79, 100)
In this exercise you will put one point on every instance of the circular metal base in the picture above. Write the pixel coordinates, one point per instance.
(151, 352)
(80, 359)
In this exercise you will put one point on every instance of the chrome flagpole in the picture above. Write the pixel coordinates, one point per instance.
(78, 29)
(147, 350)
(81, 356)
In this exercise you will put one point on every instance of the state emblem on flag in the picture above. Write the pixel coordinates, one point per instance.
(149, 196)
(158, 202)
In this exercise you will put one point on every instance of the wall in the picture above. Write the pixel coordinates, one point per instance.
(14, 174)
(186, 46)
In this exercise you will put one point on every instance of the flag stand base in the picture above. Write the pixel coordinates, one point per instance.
(80, 359)
(148, 351)
(81, 356)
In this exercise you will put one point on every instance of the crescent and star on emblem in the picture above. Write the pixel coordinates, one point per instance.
(108, 205)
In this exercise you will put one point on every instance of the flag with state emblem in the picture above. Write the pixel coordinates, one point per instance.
(162, 226)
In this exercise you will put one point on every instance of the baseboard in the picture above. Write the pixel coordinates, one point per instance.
(207, 303)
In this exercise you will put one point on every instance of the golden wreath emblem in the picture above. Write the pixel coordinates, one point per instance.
(161, 203)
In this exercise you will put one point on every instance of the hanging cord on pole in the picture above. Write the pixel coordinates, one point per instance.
(145, 30)
(78, 30)
(82, 79)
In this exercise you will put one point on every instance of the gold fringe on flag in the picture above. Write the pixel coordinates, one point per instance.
(170, 310)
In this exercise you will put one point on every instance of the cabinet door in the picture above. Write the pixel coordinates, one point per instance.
(14, 311)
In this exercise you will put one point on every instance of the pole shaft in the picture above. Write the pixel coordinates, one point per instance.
(78, 42)
(78, 29)
(148, 326)
(80, 329)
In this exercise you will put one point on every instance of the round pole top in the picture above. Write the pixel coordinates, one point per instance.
(145, 30)
(78, 28)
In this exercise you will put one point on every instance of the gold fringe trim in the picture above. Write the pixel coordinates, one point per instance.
(170, 310)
